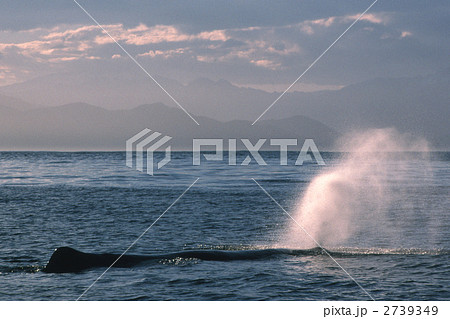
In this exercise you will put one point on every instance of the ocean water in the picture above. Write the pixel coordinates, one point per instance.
(94, 203)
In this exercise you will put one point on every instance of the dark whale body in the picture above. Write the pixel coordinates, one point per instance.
(69, 260)
(66, 259)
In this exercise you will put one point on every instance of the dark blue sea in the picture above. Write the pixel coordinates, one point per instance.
(93, 202)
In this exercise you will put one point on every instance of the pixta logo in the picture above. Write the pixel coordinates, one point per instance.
(146, 142)
(254, 149)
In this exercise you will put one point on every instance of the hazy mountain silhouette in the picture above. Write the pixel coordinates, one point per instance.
(81, 126)
(15, 103)
(417, 105)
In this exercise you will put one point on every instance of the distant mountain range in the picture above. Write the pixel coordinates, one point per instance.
(82, 126)
(418, 105)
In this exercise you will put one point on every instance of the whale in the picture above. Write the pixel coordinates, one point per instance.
(70, 260)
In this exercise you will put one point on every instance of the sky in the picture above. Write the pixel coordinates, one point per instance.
(263, 44)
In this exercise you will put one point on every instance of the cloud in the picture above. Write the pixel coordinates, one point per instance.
(63, 59)
(326, 22)
(216, 35)
(56, 44)
(156, 34)
(405, 34)
(254, 47)
(6, 75)
(375, 18)
(266, 64)
(71, 43)
(144, 35)
(310, 27)
(69, 34)
(163, 53)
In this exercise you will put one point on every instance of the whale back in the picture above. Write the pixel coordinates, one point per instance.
(66, 259)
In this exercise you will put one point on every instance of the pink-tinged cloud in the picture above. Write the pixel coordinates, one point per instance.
(64, 59)
(405, 34)
(375, 18)
(326, 22)
(266, 47)
(156, 34)
(306, 28)
(287, 50)
(205, 58)
(140, 28)
(143, 35)
(68, 43)
(163, 53)
(311, 26)
(266, 64)
(70, 33)
(6, 75)
(58, 44)
(102, 40)
(216, 35)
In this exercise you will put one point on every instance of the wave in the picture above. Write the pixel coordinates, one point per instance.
(30, 269)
